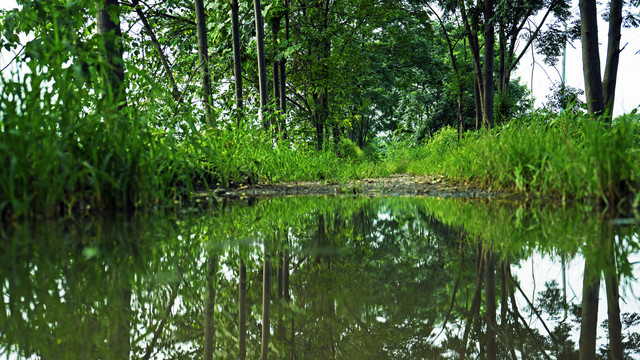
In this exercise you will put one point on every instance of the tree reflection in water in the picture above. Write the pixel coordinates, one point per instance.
(317, 278)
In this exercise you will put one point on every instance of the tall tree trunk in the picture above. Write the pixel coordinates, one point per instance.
(283, 78)
(490, 295)
(475, 302)
(279, 296)
(285, 287)
(237, 62)
(276, 94)
(589, 325)
(477, 97)
(503, 294)
(489, 40)
(613, 56)
(262, 67)
(203, 56)
(210, 303)
(242, 312)
(120, 331)
(108, 24)
(613, 307)
(502, 75)
(502, 64)
(460, 114)
(591, 56)
(280, 275)
(266, 305)
(474, 47)
(277, 101)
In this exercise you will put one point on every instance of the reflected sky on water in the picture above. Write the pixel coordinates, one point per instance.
(350, 277)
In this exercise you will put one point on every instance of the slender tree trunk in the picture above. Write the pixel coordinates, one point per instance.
(293, 338)
(203, 56)
(460, 114)
(490, 294)
(613, 307)
(280, 275)
(589, 326)
(502, 74)
(108, 24)
(283, 77)
(237, 62)
(242, 312)
(276, 95)
(266, 305)
(475, 303)
(489, 40)
(210, 303)
(262, 67)
(613, 56)
(591, 56)
(279, 295)
(474, 48)
(502, 65)
(503, 294)
(120, 330)
(275, 28)
(477, 96)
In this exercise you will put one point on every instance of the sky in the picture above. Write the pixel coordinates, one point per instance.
(627, 94)
(540, 77)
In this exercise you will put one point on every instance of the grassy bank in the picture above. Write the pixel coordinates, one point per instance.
(52, 162)
(56, 157)
(563, 155)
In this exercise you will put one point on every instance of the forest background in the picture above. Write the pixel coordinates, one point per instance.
(128, 104)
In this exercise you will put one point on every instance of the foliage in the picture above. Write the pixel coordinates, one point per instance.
(354, 73)
(74, 287)
(566, 156)
(565, 97)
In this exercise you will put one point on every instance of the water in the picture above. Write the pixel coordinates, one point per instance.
(351, 278)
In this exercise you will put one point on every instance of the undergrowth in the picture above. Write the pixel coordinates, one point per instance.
(562, 155)
(57, 157)
(64, 146)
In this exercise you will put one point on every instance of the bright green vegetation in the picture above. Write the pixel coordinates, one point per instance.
(86, 164)
(358, 279)
(101, 105)
(567, 155)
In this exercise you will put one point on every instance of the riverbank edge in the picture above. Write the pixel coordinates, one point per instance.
(394, 185)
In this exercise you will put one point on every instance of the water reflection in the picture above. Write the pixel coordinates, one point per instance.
(320, 278)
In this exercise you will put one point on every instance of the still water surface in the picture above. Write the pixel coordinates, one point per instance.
(346, 278)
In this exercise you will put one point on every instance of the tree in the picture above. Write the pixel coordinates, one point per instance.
(242, 310)
(203, 56)
(266, 304)
(512, 18)
(600, 92)
(108, 23)
(487, 74)
(591, 57)
(237, 58)
(262, 68)
(209, 309)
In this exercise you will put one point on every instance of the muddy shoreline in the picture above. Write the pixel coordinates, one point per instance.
(395, 185)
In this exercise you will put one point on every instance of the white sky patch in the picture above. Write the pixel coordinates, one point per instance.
(535, 271)
(540, 77)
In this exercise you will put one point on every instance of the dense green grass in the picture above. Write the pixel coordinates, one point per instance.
(66, 150)
(57, 157)
(564, 155)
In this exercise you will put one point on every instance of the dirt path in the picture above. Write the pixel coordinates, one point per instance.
(396, 185)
